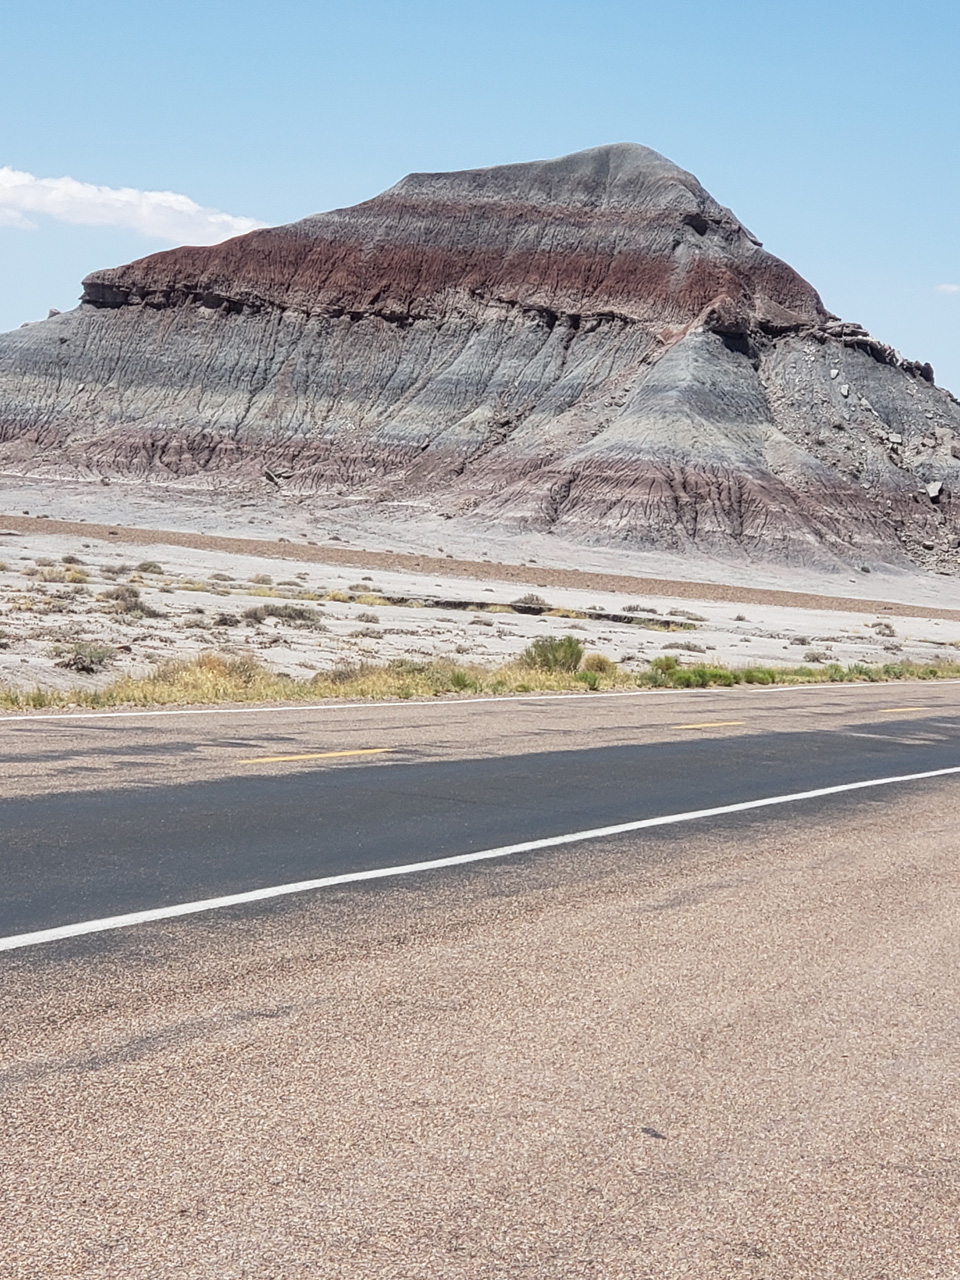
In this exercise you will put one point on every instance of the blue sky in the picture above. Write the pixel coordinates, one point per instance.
(831, 130)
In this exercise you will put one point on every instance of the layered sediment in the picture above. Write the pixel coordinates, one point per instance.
(589, 346)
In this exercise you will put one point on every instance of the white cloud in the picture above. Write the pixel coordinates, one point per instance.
(163, 214)
(948, 288)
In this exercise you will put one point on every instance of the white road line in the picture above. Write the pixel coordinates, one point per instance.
(18, 940)
(889, 737)
(253, 709)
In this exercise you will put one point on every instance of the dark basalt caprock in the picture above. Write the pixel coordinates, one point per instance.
(590, 345)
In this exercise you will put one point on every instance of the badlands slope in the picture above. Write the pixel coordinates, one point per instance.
(588, 349)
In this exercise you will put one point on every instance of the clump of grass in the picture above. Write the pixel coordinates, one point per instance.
(532, 601)
(553, 653)
(688, 645)
(70, 559)
(339, 597)
(599, 664)
(125, 599)
(685, 613)
(372, 598)
(86, 659)
(115, 570)
(213, 677)
(149, 566)
(296, 614)
(367, 617)
(226, 620)
(261, 580)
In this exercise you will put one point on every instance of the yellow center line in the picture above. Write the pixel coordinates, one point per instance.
(889, 709)
(316, 755)
(710, 724)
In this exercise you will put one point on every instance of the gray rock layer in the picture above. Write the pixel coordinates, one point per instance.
(590, 346)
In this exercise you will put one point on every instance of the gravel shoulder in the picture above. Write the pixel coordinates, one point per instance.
(717, 1052)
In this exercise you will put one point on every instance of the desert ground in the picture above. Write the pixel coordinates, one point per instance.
(256, 583)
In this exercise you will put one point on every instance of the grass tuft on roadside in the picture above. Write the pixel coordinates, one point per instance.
(217, 677)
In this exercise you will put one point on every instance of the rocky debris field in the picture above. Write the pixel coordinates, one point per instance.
(80, 611)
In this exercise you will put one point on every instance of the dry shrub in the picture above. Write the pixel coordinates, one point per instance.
(125, 599)
(599, 663)
(295, 614)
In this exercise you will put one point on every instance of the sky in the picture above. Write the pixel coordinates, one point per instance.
(831, 130)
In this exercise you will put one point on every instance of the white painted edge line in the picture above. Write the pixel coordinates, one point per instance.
(16, 941)
(253, 709)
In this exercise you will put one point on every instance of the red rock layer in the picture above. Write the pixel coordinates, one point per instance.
(656, 249)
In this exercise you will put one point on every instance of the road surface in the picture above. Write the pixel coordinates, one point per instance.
(725, 1047)
(107, 816)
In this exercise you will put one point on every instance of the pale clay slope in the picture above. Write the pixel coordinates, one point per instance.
(528, 390)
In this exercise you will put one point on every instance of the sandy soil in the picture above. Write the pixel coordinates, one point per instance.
(342, 527)
(56, 582)
(719, 1053)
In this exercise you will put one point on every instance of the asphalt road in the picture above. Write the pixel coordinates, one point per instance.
(70, 855)
(719, 1048)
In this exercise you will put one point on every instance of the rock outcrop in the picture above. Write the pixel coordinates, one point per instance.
(590, 346)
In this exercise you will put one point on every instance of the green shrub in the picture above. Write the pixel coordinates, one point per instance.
(86, 658)
(758, 675)
(716, 675)
(553, 653)
(590, 678)
(665, 664)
